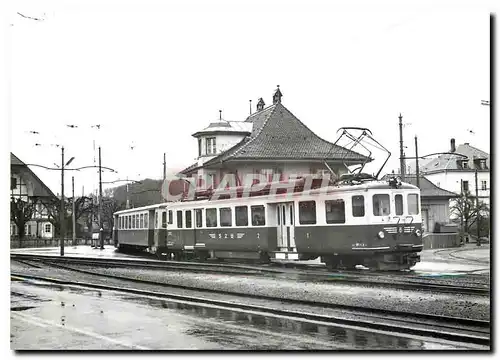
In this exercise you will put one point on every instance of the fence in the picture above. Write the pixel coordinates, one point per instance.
(437, 240)
(16, 243)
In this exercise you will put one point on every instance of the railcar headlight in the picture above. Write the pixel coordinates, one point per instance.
(417, 232)
(381, 234)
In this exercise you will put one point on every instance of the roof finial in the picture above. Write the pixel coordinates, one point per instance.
(220, 114)
(260, 105)
(277, 96)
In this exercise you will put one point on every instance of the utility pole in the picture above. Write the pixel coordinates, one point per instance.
(127, 204)
(416, 162)
(101, 238)
(63, 230)
(401, 155)
(164, 167)
(478, 215)
(73, 212)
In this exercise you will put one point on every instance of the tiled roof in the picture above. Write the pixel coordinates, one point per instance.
(39, 187)
(14, 160)
(278, 134)
(427, 187)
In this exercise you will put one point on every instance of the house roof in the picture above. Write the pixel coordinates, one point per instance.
(278, 135)
(39, 188)
(221, 126)
(427, 188)
(445, 162)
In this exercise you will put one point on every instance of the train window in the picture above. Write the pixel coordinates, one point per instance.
(307, 212)
(146, 221)
(241, 215)
(291, 215)
(258, 215)
(335, 211)
(164, 219)
(199, 218)
(137, 222)
(130, 221)
(225, 217)
(413, 204)
(398, 200)
(156, 220)
(141, 222)
(358, 206)
(170, 217)
(179, 219)
(133, 221)
(211, 217)
(381, 204)
(188, 219)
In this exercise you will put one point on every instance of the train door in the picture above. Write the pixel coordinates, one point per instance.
(286, 220)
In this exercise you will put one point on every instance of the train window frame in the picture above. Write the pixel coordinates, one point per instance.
(170, 217)
(400, 196)
(303, 221)
(332, 203)
(198, 214)
(260, 218)
(237, 211)
(378, 204)
(207, 223)
(225, 223)
(163, 219)
(189, 224)
(409, 203)
(357, 207)
(178, 216)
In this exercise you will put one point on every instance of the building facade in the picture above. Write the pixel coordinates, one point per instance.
(25, 185)
(270, 142)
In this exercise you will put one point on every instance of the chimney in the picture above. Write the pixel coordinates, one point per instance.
(260, 105)
(453, 148)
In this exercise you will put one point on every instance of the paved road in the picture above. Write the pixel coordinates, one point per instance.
(45, 316)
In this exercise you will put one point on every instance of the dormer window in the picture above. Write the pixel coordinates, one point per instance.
(482, 164)
(210, 146)
(199, 147)
(465, 164)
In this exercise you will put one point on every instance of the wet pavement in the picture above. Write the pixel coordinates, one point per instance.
(54, 317)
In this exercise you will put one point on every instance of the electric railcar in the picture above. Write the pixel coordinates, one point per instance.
(372, 223)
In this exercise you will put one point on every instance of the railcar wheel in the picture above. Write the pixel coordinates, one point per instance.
(203, 255)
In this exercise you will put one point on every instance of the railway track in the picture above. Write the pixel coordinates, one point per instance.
(366, 279)
(460, 331)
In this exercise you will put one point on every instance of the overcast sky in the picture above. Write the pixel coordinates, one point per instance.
(151, 75)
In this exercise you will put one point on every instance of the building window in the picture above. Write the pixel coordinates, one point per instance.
(210, 146)
(258, 215)
(307, 212)
(241, 215)
(398, 200)
(199, 147)
(358, 206)
(48, 228)
(211, 217)
(412, 204)
(13, 183)
(335, 211)
(381, 204)
(482, 164)
(465, 186)
(225, 217)
(484, 185)
(211, 181)
(465, 164)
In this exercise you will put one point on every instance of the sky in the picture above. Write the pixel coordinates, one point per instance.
(153, 73)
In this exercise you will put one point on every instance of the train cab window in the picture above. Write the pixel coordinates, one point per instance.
(413, 204)
(398, 201)
(335, 211)
(307, 212)
(258, 215)
(188, 219)
(170, 217)
(358, 206)
(381, 204)
(179, 219)
(199, 218)
(241, 213)
(211, 217)
(163, 219)
(225, 217)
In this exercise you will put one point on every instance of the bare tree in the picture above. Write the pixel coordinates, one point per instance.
(20, 213)
(466, 211)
